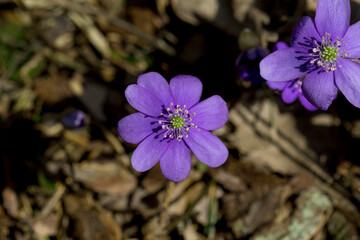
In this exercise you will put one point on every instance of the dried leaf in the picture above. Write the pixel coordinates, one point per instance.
(25, 100)
(105, 177)
(90, 223)
(45, 226)
(96, 37)
(10, 202)
(230, 182)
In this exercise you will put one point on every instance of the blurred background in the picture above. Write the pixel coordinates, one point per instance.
(65, 174)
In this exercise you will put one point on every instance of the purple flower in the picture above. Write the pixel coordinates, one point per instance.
(248, 64)
(73, 120)
(320, 50)
(291, 90)
(171, 123)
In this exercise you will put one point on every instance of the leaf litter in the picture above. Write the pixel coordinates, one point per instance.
(290, 174)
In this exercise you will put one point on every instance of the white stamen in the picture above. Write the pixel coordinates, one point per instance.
(177, 121)
(326, 54)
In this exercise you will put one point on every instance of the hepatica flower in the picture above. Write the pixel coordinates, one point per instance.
(291, 90)
(171, 123)
(247, 64)
(74, 120)
(320, 52)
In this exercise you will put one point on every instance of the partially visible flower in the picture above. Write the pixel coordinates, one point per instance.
(171, 123)
(248, 64)
(320, 51)
(73, 120)
(291, 90)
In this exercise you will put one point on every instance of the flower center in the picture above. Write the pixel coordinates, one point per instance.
(177, 122)
(327, 53)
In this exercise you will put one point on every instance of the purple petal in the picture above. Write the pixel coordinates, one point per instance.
(211, 114)
(305, 33)
(352, 39)
(158, 86)
(319, 88)
(176, 162)
(262, 52)
(280, 45)
(149, 152)
(290, 93)
(306, 103)
(143, 100)
(285, 65)
(207, 147)
(136, 127)
(277, 85)
(348, 80)
(247, 64)
(333, 16)
(256, 53)
(187, 90)
(73, 120)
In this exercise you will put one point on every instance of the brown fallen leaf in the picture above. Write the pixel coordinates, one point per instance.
(45, 226)
(264, 210)
(10, 202)
(313, 209)
(145, 19)
(154, 180)
(5, 224)
(228, 180)
(90, 222)
(105, 177)
(188, 197)
(216, 12)
(53, 89)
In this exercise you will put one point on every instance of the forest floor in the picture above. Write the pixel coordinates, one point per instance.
(291, 174)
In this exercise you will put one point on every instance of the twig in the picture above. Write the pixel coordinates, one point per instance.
(60, 190)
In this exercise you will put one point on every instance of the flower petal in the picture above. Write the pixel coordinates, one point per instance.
(280, 45)
(187, 89)
(176, 162)
(319, 88)
(158, 86)
(247, 64)
(73, 120)
(207, 147)
(285, 65)
(290, 93)
(149, 152)
(348, 81)
(306, 104)
(352, 39)
(277, 85)
(305, 33)
(143, 100)
(136, 127)
(333, 16)
(211, 114)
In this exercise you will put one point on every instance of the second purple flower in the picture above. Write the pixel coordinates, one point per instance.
(291, 90)
(321, 50)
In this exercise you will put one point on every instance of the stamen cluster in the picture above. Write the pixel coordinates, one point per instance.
(177, 122)
(297, 84)
(327, 53)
